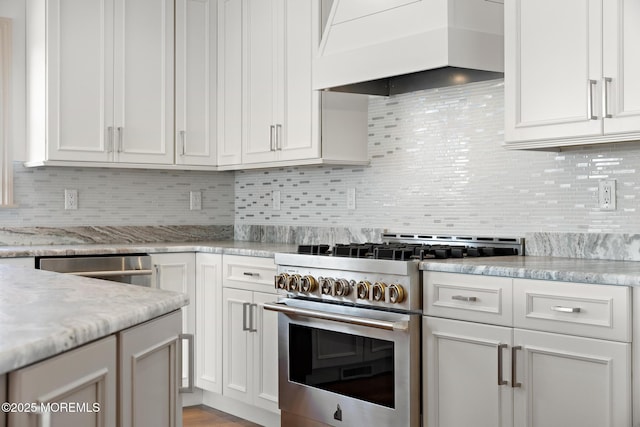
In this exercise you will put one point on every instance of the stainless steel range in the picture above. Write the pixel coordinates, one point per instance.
(349, 327)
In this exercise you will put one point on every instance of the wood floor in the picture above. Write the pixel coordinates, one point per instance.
(203, 416)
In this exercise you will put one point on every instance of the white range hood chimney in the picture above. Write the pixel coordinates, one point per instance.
(385, 47)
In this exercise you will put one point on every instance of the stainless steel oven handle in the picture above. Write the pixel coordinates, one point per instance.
(111, 273)
(352, 320)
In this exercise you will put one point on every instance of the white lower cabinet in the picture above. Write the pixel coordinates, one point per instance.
(84, 376)
(177, 272)
(250, 334)
(480, 374)
(149, 373)
(208, 304)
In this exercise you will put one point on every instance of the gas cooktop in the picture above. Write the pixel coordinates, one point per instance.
(405, 247)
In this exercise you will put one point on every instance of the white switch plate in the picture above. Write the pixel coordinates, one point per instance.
(607, 194)
(276, 200)
(70, 199)
(195, 200)
(351, 198)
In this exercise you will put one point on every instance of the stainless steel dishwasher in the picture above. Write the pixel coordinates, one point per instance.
(134, 269)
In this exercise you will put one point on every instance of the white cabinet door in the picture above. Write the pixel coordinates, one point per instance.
(621, 64)
(460, 368)
(571, 381)
(553, 68)
(83, 376)
(149, 374)
(143, 84)
(237, 346)
(196, 104)
(261, 70)
(208, 303)
(79, 79)
(265, 353)
(297, 105)
(230, 79)
(177, 272)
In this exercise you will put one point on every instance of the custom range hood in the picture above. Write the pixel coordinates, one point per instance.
(387, 47)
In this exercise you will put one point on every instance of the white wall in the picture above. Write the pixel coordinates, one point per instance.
(438, 166)
(15, 9)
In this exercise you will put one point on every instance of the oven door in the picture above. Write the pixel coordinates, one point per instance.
(342, 365)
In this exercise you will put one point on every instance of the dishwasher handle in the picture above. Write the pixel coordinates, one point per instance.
(112, 273)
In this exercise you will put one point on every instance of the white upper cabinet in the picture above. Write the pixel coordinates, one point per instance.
(100, 81)
(571, 76)
(268, 113)
(196, 71)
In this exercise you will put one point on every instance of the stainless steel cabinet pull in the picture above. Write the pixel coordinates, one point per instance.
(189, 387)
(514, 383)
(120, 132)
(244, 315)
(248, 273)
(562, 309)
(352, 320)
(278, 137)
(156, 267)
(251, 328)
(607, 84)
(110, 139)
(272, 131)
(501, 381)
(463, 298)
(590, 92)
(182, 143)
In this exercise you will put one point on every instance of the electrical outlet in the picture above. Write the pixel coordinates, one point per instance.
(607, 194)
(70, 199)
(195, 200)
(351, 198)
(276, 200)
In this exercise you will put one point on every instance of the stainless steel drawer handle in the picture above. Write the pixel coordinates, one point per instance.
(248, 273)
(352, 320)
(244, 316)
(272, 137)
(464, 298)
(189, 387)
(501, 381)
(251, 317)
(562, 309)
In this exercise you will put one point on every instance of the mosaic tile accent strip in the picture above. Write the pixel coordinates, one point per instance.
(438, 166)
(112, 197)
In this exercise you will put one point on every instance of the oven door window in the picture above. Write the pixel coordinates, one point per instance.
(350, 365)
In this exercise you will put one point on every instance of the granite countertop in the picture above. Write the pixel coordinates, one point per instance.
(43, 313)
(544, 268)
(229, 247)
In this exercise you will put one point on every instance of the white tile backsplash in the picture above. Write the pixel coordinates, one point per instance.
(118, 197)
(438, 166)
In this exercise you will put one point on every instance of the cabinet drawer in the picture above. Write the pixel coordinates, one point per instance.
(598, 311)
(247, 272)
(470, 297)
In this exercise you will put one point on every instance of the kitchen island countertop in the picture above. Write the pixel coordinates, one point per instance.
(44, 313)
(577, 270)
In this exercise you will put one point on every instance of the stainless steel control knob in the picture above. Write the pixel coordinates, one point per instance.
(342, 287)
(293, 282)
(396, 293)
(281, 281)
(362, 289)
(378, 291)
(308, 284)
(326, 285)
